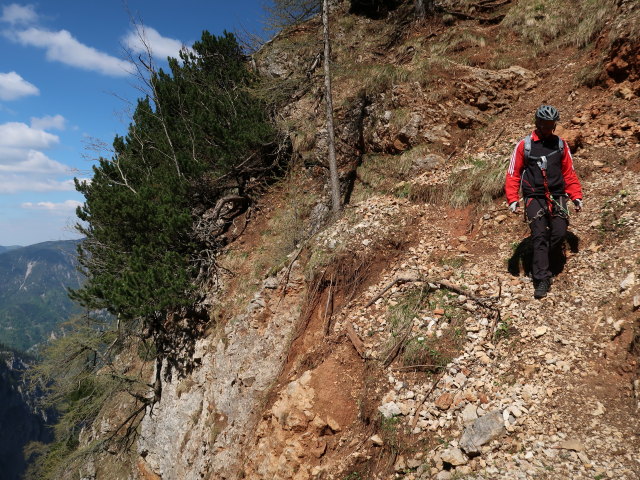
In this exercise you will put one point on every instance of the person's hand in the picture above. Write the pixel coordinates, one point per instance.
(513, 207)
(578, 203)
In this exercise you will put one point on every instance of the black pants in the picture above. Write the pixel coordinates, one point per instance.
(548, 230)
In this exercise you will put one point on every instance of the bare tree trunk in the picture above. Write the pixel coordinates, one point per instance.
(424, 8)
(333, 167)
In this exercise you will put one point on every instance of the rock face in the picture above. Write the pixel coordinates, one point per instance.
(20, 423)
(199, 428)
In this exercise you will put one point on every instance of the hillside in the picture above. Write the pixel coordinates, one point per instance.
(33, 291)
(21, 421)
(402, 340)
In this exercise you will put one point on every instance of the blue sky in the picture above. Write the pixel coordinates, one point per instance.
(65, 86)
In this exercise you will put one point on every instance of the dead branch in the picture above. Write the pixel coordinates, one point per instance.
(413, 277)
(496, 138)
(426, 396)
(398, 346)
(328, 308)
(357, 343)
(400, 279)
(415, 367)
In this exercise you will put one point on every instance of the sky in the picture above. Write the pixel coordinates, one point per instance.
(67, 88)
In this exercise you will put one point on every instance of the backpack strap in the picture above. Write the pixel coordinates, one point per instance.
(527, 148)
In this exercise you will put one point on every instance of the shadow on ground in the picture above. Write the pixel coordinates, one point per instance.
(522, 258)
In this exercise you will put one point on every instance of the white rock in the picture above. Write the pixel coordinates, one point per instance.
(538, 332)
(454, 456)
(629, 281)
(599, 410)
(469, 414)
(389, 410)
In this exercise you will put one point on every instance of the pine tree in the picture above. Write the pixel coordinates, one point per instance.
(197, 136)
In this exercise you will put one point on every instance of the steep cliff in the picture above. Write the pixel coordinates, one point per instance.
(21, 421)
(402, 340)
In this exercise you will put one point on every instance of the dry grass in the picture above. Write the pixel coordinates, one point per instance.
(381, 174)
(543, 22)
(456, 41)
(479, 180)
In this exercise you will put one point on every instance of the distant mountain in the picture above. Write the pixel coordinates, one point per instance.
(33, 291)
(9, 248)
(21, 420)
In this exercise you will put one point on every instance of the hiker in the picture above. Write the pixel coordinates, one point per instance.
(542, 165)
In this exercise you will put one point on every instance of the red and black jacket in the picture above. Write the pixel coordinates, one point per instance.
(526, 173)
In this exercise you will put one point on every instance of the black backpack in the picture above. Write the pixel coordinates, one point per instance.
(541, 161)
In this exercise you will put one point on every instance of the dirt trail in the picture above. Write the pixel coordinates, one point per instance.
(560, 371)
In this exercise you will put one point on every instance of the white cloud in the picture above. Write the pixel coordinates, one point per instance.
(26, 183)
(15, 14)
(161, 47)
(66, 206)
(21, 135)
(23, 165)
(53, 122)
(13, 86)
(62, 47)
(35, 163)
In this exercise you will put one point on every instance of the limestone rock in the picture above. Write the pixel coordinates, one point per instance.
(454, 456)
(629, 281)
(482, 431)
(389, 410)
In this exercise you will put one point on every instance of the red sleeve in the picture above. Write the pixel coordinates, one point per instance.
(512, 183)
(571, 182)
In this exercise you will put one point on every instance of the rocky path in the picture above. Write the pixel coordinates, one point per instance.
(556, 384)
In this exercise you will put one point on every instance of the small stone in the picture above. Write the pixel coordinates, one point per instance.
(629, 281)
(454, 456)
(599, 410)
(444, 475)
(501, 218)
(377, 440)
(333, 424)
(574, 445)
(636, 302)
(319, 450)
(271, 283)
(482, 431)
(538, 332)
(583, 458)
(400, 465)
(444, 401)
(469, 414)
(515, 411)
(389, 410)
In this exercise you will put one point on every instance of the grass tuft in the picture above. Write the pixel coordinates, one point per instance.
(479, 180)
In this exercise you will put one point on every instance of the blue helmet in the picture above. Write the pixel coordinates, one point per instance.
(547, 112)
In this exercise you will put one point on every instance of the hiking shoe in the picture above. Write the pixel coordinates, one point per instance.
(542, 288)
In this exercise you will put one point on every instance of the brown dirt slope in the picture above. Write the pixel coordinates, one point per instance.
(434, 101)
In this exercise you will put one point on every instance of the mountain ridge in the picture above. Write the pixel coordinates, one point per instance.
(33, 291)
